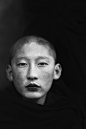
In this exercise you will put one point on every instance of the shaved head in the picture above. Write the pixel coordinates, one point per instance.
(27, 40)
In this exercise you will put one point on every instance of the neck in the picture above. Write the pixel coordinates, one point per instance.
(40, 101)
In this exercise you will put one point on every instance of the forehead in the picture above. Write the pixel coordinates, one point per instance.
(34, 49)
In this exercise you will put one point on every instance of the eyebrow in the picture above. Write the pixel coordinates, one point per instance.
(42, 57)
(38, 58)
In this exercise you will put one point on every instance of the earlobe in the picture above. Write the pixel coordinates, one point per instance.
(9, 73)
(57, 71)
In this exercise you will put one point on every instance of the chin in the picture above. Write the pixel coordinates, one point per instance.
(32, 95)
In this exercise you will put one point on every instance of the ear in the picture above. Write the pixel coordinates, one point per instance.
(57, 71)
(9, 73)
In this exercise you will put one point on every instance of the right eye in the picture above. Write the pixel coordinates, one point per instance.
(21, 64)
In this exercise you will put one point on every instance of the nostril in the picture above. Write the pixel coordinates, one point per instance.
(32, 78)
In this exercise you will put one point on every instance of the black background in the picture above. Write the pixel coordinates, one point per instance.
(64, 18)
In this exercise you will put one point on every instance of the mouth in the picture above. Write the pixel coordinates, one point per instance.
(32, 87)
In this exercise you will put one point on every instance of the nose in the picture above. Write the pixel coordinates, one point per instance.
(32, 73)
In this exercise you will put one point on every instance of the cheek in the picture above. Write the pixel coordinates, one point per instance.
(47, 77)
(18, 77)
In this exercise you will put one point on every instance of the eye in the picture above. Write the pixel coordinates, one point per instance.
(22, 64)
(42, 64)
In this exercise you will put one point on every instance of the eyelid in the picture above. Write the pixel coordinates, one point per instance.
(21, 64)
(43, 63)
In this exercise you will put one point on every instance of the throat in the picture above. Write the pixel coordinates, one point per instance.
(40, 101)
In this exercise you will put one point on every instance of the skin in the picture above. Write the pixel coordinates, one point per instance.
(33, 63)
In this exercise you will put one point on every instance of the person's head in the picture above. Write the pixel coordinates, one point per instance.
(33, 61)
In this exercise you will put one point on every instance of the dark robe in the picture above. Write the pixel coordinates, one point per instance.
(58, 112)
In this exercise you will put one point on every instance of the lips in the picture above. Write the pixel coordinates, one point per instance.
(32, 87)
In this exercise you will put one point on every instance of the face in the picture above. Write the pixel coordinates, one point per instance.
(33, 64)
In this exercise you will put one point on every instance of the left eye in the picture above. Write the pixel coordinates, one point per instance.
(42, 63)
(22, 64)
